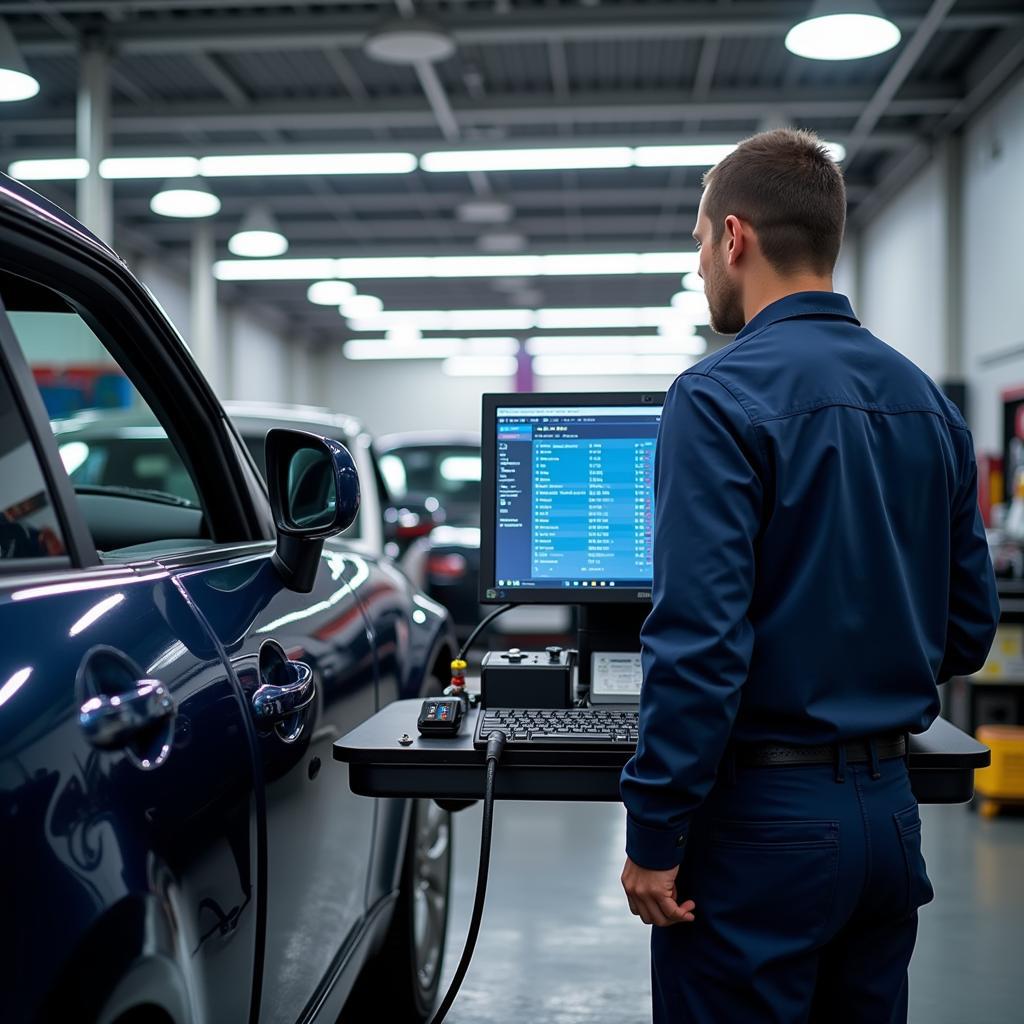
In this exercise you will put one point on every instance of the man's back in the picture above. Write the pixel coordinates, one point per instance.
(866, 468)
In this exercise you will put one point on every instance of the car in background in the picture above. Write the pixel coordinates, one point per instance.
(181, 650)
(440, 471)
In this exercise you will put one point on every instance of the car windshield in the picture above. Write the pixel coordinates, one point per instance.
(448, 472)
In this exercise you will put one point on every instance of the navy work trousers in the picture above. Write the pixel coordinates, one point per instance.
(807, 881)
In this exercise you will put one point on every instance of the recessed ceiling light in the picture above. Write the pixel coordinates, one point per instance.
(842, 30)
(409, 41)
(360, 306)
(258, 236)
(330, 293)
(185, 198)
(16, 82)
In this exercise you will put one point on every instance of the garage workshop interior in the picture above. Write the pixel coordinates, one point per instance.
(511, 511)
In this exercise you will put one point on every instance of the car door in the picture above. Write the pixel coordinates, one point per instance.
(128, 864)
(314, 838)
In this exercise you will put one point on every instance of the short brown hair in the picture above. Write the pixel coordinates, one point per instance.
(785, 184)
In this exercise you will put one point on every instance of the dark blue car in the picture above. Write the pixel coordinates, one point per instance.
(176, 844)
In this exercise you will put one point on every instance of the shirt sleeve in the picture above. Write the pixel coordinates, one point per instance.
(697, 641)
(973, 598)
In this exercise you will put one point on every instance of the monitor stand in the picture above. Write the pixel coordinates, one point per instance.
(608, 629)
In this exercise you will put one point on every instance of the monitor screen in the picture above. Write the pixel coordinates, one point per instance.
(567, 497)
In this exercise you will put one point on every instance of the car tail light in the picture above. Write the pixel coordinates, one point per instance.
(446, 567)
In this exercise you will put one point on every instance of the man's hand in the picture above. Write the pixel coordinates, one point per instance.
(652, 895)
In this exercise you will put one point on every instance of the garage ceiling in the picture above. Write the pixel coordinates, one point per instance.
(195, 78)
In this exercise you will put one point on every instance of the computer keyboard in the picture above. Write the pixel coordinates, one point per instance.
(591, 728)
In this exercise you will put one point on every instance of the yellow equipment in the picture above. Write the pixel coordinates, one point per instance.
(1002, 782)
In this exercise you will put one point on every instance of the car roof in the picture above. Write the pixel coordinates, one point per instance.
(140, 422)
(428, 438)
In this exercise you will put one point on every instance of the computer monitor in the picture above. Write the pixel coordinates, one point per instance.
(567, 498)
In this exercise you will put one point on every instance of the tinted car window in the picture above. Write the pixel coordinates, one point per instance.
(28, 518)
(118, 456)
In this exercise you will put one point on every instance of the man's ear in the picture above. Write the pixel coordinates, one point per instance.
(735, 239)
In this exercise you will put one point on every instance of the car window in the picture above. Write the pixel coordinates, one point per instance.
(450, 473)
(130, 481)
(29, 527)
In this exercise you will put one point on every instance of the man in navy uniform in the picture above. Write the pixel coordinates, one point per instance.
(820, 566)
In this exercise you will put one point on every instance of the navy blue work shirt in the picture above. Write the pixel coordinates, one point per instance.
(820, 561)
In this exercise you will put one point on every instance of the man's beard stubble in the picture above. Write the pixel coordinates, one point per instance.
(724, 300)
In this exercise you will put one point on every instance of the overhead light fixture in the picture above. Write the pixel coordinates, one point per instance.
(284, 164)
(428, 348)
(258, 236)
(141, 167)
(16, 82)
(612, 366)
(411, 267)
(681, 156)
(330, 293)
(561, 159)
(693, 282)
(842, 30)
(480, 366)
(359, 306)
(185, 198)
(448, 320)
(607, 317)
(692, 305)
(409, 41)
(62, 169)
(484, 211)
(601, 345)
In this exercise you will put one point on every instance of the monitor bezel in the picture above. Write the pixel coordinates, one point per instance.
(488, 592)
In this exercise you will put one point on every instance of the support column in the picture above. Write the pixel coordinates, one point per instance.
(95, 207)
(203, 303)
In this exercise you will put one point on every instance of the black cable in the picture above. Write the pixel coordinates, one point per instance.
(495, 745)
(480, 627)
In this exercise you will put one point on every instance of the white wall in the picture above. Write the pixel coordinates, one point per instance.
(902, 267)
(993, 228)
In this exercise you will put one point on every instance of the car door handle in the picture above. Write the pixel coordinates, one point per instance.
(273, 703)
(112, 723)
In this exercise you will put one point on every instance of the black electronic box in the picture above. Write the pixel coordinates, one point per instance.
(527, 679)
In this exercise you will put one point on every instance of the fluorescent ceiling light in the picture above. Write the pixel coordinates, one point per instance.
(836, 150)
(693, 306)
(360, 306)
(428, 348)
(185, 199)
(480, 366)
(693, 282)
(612, 366)
(501, 241)
(330, 293)
(273, 164)
(842, 30)
(16, 82)
(140, 167)
(572, 158)
(599, 346)
(681, 156)
(66, 169)
(448, 320)
(614, 316)
(273, 270)
(259, 236)
(484, 211)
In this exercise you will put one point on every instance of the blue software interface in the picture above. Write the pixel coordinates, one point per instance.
(575, 496)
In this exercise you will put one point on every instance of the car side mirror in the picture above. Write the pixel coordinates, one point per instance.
(314, 494)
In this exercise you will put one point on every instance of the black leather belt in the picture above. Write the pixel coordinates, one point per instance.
(759, 755)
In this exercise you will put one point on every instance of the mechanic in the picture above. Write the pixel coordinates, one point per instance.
(820, 565)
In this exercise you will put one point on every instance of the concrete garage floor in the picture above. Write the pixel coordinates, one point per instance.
(558, 945)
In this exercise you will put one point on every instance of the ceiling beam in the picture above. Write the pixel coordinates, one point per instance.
(314, 31)
(897, 75)
(593, 107)
(225, 82)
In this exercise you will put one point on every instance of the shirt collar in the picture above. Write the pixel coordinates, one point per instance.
(800, 304)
